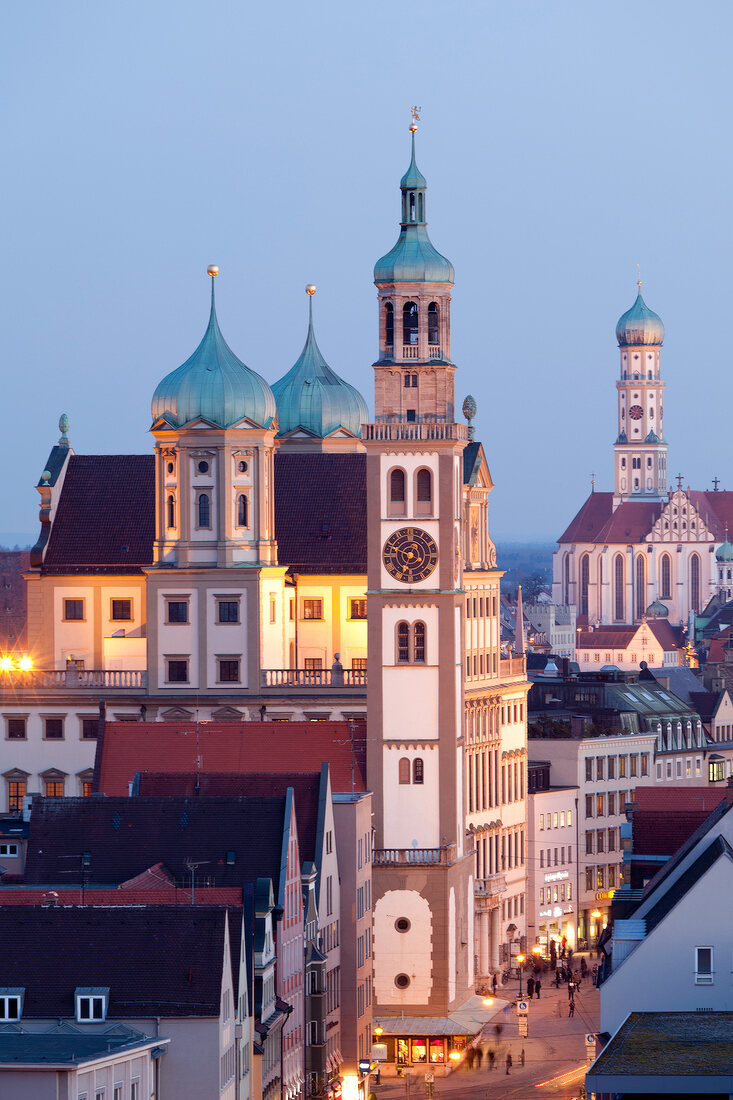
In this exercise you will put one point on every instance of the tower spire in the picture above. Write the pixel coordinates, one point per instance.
(519, 647)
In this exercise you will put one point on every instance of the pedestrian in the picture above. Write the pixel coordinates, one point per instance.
(583, 967)
(571, 991)
(508, 1063)
(571, 1007)
(492, 1056)
(493, 983)
(558, 976)
(537, 988)
(595, 974)
(479, 1057)
(530, 987)
(470, 1055)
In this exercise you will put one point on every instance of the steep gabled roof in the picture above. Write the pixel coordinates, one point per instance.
(597, 522)
(157, 961)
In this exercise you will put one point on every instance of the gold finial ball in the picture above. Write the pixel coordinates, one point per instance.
(212, 270)
(311, 288)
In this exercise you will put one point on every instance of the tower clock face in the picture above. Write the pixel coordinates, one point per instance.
(410, 555)
(636, 412)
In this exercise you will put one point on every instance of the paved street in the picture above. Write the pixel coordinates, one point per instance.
(554, 1052)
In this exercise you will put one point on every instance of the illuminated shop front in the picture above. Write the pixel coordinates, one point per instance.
(556, 912)
(431, 1044)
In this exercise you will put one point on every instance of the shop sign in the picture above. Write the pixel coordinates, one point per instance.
(604, 895)
(557, 876)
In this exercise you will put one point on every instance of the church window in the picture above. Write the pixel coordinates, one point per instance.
(170, 467)
(389, 325)
(618, 568)
(204, 510)
(171, 511)
(424, 492)
(242, 511)
(411, 643)
(411, 418)
(417, 770)
(397, 492)
(420, 212)
(203, 467)
(433, 317)
(404, 770)
(666, 577)
(623, 463)
(412, 206)
(407, 381)
(565, 580)
(640, 585)
(413, 381)
(418, 636)
(242, 467)
(695, 582)
(409, 323)
(584, 580)
(403, 643)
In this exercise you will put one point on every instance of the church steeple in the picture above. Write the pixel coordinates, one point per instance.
(414, 372)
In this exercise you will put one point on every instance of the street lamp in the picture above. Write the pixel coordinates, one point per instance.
(520, 960)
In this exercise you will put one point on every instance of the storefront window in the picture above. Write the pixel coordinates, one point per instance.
(437, 1050)
(403, 1052)
(419, 1050)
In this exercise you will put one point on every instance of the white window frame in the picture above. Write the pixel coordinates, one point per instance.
(9, 850)
(7, 995)
(703, 977)
(91, 998)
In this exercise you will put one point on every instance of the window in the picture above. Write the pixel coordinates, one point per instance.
(74, 610)
(409, 323)
(622, 767)
(418, 650)
(242, 511)
(589, 842)
(612, 840)
(313, 663)
(53, 729)
(589, 767)
(619, 602)
(644, 760)
(54, 788)
(228, 670)
(410, 643)
(86, 788)
(91, 1006)
(666, 586)
(134, 1090)
(389, 325)
(312, 609)
(703, 966)
(562, 819)
(433, 317)
(9, 850)
(204, 511)
(633, 763)
(424, 492)
(695, 582)
(589, 805)
(273, 608)
(600, 837)
(122, 610)
(600, 878)
(16, 729)
(584, 581)
(11, 1001)
(611, 767)
(16, 794)
(600, 761)
(89, 728)
(611, 802)
(599, 805)
(590, 873)
(177, 670)
(554, 816)
(359, 663)
(641, 600)
(228, 611)
(542, 821)
(171, 510)
(404, 770)
(177, 611)
(358, 608)
(417, 770)
(397, 492)
(570, 820)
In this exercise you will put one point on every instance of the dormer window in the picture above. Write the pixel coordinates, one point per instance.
(91, 1005)
(11, 1004)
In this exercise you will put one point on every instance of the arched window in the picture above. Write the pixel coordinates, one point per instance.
(695, 582)
(417, 770)
(397, 492)
(404, 770)
(420, 209)
(584, 581)
(640, 585)
(412, 206)
(242, 511)
(204, 505)
(418, 643)
(403, 643)
(566, 579)
(424, 493)
(409, 323)
(618, 582)
(171, 511)
(433, 318)
(599, 596)
(666, 585)
(389, 325)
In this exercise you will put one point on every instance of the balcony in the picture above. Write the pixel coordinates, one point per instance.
(73, 679)
(491, 887)
(513, 668)
(410, 351)
(409, 431)
(415, 857)
(353, 679)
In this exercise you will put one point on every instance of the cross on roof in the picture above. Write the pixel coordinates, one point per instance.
(679, 481)
(716, 483)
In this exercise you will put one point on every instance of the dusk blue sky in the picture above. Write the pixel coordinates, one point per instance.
(562, 144)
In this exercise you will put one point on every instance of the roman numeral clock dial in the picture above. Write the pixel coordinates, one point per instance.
(410, 555)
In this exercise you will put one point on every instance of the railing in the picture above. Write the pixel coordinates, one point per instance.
(490, 887)
(313, 677)
(38, 679)
(408, 430)
(435, 351)
(403, 857)
(513, 666)
(409, 351)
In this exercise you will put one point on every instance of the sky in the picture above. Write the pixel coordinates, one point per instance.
(563, 143)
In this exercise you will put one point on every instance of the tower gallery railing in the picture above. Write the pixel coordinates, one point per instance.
(407, 431)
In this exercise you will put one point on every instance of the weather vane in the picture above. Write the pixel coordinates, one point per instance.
(638, 281)
(415, 118)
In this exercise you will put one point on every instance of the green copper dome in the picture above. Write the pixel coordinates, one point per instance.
(639, 325)
(657, 610)
(313, 397)
(215, 385)
(725, 552)
(413, 259)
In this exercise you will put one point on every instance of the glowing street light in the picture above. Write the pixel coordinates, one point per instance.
(454, 1056)
(520, 960)
(25, 664)
(488, 1001)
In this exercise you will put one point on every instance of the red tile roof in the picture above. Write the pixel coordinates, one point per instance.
(716, 509)
(664, 818)
(619, 637)
(234, 747)
(121, 896)
(596, 522)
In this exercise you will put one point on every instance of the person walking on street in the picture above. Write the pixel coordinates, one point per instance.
(537, 988)
(479, 1057)
(571, 991)
(571, 1007)
(530, 988)
(493, 984)
(508, 1063)
(492, 1056)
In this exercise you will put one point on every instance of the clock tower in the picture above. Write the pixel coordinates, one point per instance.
(640, 451)
(423, 865)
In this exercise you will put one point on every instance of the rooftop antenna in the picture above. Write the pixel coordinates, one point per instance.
(192, 865)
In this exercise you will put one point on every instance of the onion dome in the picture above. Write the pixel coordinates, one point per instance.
(313, 397)
(657, 610)
(413, 259)
(639, 325)
(214, 384)
(724, 553)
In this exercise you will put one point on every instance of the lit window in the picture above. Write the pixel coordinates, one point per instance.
(312, 609)
(54, 788)
(358, 608)
(417, 770)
